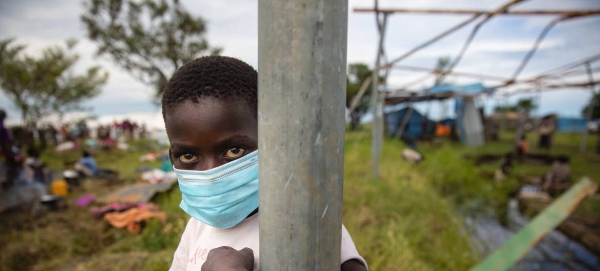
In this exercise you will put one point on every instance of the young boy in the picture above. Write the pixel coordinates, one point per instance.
(210, 112)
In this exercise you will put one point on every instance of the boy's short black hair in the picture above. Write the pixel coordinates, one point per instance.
(212, 76)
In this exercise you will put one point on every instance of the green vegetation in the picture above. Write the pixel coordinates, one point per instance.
(399, 222)
(410, 219)
(39, 86)
(150, 39)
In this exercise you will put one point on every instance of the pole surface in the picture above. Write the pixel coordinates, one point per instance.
(301, 103)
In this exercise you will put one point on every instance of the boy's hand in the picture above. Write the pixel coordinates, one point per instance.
(229, 259)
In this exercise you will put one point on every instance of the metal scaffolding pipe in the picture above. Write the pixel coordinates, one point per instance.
(301, 103)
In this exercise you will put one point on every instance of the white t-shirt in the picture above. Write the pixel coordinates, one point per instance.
(198, 239)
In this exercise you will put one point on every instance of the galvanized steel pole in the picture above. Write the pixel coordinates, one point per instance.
(301, 102)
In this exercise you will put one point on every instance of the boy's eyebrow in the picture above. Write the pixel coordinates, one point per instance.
(181, 146)
(234, 138)
(228, 140)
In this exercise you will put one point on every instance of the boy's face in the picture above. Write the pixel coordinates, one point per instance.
(210, 133)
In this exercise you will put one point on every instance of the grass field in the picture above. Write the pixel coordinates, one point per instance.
(409, 219)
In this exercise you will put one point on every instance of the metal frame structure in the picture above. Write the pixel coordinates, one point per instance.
(541, 80)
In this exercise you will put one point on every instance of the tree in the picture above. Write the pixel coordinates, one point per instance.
(595, 104)
(358, 73)
(505, 108)
(151, 39)
(46, 85)
(525, 105)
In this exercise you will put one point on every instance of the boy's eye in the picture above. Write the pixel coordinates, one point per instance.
(188, 158)
(235, 153)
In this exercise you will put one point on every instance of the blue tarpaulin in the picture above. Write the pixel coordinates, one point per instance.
(415, 127)
(466, 89)
(565, 124)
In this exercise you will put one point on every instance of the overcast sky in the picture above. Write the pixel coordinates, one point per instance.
(232, 24)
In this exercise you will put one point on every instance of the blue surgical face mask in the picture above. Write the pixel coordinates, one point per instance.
(223, 196)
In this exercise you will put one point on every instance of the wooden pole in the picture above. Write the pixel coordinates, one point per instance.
(569, 13)
(358, 97)
(405, 120)
(377, 103)
(588, 113)
(538, 41)
(526, 238)
(390, 64)
(456, 73)
(301, 103)
(488, 16)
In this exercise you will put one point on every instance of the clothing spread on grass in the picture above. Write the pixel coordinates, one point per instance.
(140, 192)
(113, 207)
(132, 218)
(198, 239)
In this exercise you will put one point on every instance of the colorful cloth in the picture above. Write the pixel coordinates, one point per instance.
(132, 219)
(137, 193)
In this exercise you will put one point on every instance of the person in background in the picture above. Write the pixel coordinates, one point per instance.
(34, 169)
(546, 130)
(523, 146)
(87, 165)
(558, 179)
(8, 165)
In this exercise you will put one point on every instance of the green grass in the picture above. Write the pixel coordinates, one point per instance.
(409, 219)
(399, 222)
(73, 240)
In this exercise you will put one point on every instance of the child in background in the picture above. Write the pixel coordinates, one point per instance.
(210, 111)
(523, 146)
(87, 165)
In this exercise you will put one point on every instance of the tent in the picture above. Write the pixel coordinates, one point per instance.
(416, 126)
(469, 120)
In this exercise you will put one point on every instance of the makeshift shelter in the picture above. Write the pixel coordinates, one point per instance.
(469, 122)
(416, 124)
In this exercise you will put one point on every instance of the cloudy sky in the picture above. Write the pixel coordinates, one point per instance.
(232, 24)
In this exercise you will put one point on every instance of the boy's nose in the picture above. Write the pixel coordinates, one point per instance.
(209, 163)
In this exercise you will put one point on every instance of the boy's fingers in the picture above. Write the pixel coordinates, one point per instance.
(248, 255)
(247, 252)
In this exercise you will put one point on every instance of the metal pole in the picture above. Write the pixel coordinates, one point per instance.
(376, 102)
(588, 113)
(301, 103)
